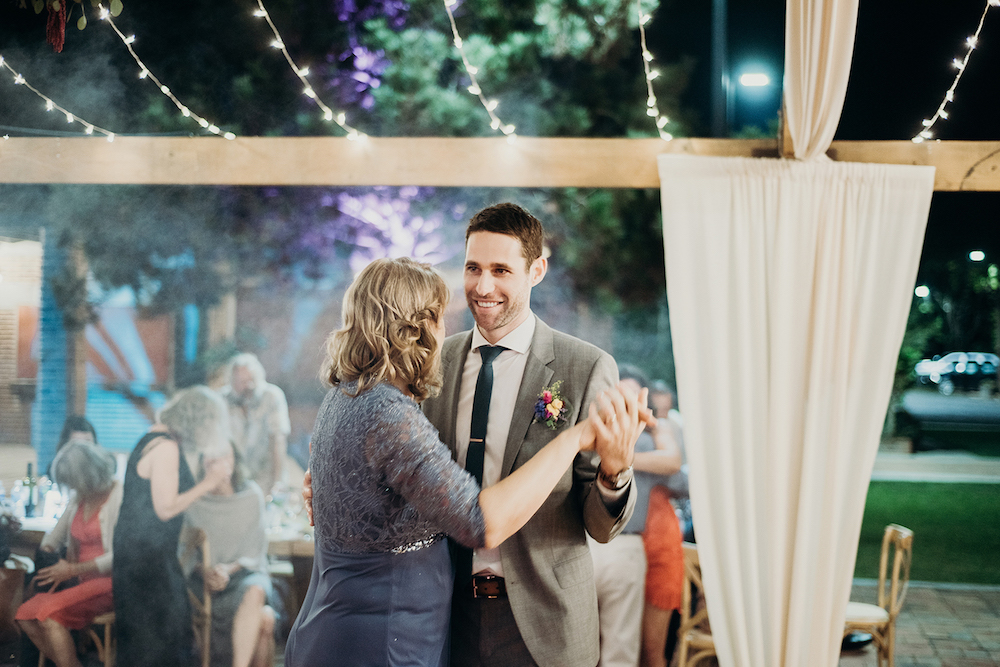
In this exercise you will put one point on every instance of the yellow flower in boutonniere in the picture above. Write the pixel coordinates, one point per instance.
(551, 408)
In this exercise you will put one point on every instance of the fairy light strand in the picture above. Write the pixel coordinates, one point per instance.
(652, 107)
(949, 96)
(50, 105)
(145, 73)
(339, 117)
(474, 89)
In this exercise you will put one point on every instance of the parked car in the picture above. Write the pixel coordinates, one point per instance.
(957, 370)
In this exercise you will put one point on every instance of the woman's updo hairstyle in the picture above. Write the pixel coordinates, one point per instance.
(390, 312)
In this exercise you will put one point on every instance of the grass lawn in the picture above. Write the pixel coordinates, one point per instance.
(956, 530)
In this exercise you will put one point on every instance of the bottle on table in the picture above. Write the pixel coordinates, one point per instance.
(30, 488)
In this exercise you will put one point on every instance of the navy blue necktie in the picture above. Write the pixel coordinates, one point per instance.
(481, 412)
(476, 453)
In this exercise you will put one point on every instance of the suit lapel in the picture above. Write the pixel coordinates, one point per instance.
(453, 363)
(536, 375)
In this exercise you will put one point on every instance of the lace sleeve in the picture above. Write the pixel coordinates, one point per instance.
(418, 466)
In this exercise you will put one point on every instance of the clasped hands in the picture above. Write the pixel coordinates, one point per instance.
(615, 421)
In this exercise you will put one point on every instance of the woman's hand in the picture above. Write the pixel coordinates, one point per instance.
(55, 574)
(217, 578)
(217, 470)
(307, 494)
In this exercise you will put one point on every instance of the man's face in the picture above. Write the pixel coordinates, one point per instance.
(243, 382)
(498, 283)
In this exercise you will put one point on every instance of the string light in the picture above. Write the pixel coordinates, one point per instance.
(50, 105)
(340, 118)
(652, 108)
(144, 73)
(960, 64)
(475, 90)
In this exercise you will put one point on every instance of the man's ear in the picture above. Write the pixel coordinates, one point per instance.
(537, 270)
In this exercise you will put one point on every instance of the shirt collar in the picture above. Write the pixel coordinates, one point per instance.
(518, 340)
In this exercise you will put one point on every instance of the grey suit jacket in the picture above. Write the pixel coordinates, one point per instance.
(547, 565)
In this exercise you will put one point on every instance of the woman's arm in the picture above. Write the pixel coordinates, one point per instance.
(161, 461)
(508, 504)
(666, 459)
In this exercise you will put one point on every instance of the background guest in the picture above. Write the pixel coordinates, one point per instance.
(232, 516)
(152, 611)
(85, 530)
(620, 566)
(75, 427)
(258, 415)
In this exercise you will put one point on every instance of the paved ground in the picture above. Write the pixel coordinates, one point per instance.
(940, 626)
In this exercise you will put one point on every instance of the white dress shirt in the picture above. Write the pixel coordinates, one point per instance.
(508, 371)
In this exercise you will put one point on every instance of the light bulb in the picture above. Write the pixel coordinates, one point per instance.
(474, 89)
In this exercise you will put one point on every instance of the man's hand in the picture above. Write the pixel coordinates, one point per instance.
(618, 421)
(307, 495)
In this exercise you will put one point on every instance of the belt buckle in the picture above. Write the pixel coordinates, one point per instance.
(487, 586)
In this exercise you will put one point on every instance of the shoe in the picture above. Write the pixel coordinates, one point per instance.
(855, 641)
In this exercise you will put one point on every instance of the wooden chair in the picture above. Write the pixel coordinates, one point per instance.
(880, 620)
(694, 636)
(105, 642)
(195, 540)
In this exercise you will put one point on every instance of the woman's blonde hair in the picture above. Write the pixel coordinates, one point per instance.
(390, 312)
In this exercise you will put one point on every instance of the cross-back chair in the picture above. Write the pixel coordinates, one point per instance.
(694, 636)
(194, 540)
(880, 619)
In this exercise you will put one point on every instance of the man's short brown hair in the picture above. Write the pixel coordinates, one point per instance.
(511, 220)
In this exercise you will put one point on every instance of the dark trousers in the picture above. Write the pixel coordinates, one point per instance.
(484, 634)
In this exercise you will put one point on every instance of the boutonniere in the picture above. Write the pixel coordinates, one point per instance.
(551, 408)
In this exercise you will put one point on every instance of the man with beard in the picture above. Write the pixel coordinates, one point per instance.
(532, 601)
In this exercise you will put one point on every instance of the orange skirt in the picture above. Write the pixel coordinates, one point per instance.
(662, 540)
(74, 607)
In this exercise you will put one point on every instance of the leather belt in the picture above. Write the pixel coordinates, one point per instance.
(488, 586)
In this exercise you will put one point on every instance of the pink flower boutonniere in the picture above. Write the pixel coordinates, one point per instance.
(551, 408)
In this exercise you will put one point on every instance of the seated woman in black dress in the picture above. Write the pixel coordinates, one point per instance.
(385, 490)
(152, 612)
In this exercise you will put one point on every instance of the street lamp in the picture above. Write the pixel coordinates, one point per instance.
(977, 255)
(754, 94)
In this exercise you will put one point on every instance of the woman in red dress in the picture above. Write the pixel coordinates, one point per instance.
(85, 529)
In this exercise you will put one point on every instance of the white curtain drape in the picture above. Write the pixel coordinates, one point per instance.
(819, 42)
(789, 286)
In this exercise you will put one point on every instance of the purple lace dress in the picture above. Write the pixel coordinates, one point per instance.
(385, 494)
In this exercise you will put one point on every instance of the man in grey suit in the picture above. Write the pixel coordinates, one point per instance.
(532, 601)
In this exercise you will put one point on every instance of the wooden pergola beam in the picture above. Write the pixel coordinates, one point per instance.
(434, 161)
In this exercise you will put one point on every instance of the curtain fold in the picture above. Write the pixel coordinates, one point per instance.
(789, 286)
(819, 44)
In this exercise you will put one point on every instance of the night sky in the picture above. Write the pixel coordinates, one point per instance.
(901, 69)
